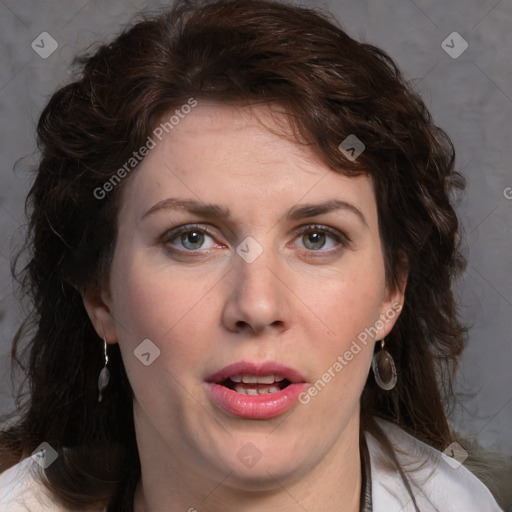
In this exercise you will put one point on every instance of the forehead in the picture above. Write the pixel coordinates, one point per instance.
(244, 157)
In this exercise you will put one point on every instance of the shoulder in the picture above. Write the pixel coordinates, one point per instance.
(437, 481)
(22, 491)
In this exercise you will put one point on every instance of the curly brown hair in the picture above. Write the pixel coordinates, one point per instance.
(242, 52)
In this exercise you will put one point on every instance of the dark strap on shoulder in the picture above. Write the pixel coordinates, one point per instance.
(366, 475)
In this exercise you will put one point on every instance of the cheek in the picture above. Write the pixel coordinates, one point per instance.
(166, 305)
(350, 303)
(156, 304)
(342, 364)
(349, 306)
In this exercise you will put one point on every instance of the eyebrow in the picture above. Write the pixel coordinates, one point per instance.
(295, 213)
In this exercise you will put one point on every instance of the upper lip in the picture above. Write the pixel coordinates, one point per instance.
(259, 370)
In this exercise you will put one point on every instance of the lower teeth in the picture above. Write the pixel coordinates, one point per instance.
(259, 391)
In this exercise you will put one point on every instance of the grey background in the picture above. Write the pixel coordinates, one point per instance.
(470, 97)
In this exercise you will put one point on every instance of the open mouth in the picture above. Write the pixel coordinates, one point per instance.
(255, 391)
(252, 385)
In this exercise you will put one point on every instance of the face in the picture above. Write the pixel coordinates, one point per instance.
(291, 301)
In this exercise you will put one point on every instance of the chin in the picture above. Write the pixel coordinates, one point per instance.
(260, 478)
(252, 470)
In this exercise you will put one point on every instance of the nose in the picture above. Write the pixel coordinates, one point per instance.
(257, 296)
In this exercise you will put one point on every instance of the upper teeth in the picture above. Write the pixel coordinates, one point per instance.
(254, 379)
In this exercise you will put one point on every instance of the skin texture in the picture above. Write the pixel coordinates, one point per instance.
(299, 303)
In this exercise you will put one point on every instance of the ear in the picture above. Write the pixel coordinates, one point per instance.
(98, 305)
(393, 301)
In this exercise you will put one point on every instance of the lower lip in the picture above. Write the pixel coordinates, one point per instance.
(259, 407)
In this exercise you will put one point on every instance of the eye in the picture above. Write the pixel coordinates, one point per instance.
(320, 239)
(315, 238)
(191, 238)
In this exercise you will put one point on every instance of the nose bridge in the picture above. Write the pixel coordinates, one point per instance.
(253, 270)
(256, 296)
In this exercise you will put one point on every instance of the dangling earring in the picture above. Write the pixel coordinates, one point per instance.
(105, 373)
(384, 368)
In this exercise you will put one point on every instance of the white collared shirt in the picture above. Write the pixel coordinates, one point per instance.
(439, 483)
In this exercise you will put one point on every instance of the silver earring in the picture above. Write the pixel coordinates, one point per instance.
(384, 369)
(105, 373)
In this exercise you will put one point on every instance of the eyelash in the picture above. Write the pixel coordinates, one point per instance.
(341, 239)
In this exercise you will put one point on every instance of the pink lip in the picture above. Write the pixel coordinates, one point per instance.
(258, 406)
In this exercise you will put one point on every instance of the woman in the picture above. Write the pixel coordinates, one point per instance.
(239, 211)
